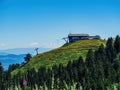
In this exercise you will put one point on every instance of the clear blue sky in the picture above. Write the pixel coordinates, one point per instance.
(43, 23)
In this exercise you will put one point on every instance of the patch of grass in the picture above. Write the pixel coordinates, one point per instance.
(62, 55)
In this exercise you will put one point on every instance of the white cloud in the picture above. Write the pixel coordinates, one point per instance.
(53, 44)
(2, 44)
(33, 44)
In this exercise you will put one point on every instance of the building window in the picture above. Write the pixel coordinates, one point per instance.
(75, 38)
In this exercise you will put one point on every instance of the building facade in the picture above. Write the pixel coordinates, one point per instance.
(76, 37)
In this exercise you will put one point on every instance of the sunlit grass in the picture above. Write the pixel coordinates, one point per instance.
(62, 55)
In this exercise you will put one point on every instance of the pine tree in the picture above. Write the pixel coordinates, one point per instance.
(2, 87)
(117, 67)
(28, 57)
(117, 44)
(89, 58)
(80, 69)
(110, 53)
(70, 70)
(101, 53)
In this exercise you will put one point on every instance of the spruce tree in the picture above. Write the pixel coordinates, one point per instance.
(117, 44)
(2, 87)
(110, 53)
(90, 58)
(28, 57)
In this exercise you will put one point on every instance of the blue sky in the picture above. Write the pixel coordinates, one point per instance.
(43, 23)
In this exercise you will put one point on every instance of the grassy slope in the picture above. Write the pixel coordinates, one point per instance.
(61, 55)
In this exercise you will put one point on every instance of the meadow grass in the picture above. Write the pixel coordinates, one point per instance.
(71, 51)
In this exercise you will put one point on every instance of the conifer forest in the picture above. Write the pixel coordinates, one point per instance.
(100, 70)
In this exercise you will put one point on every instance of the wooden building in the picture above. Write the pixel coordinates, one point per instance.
(76, 37)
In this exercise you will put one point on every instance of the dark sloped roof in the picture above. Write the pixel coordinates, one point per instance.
(78, 35)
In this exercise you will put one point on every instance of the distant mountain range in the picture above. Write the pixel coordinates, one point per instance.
(13, 56)
(18, 51)
(6, 60)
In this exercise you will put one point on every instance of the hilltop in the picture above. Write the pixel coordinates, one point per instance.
(71, 51)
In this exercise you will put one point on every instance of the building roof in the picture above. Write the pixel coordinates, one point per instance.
(78, 35)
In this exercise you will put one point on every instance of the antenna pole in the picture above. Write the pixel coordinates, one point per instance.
(66, 39)
(36, 49)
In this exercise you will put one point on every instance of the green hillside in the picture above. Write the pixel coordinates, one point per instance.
(62, 55)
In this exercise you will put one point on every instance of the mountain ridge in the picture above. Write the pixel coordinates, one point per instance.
(8, 59)
(63, 54)
(16, 55)
(18, 51)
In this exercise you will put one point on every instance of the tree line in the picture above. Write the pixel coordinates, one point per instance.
(99, 70)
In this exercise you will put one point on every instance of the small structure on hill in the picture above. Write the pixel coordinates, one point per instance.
(36, 49)
(76, 37)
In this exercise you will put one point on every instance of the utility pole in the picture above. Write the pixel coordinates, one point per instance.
(36, 49)
(66, 39)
